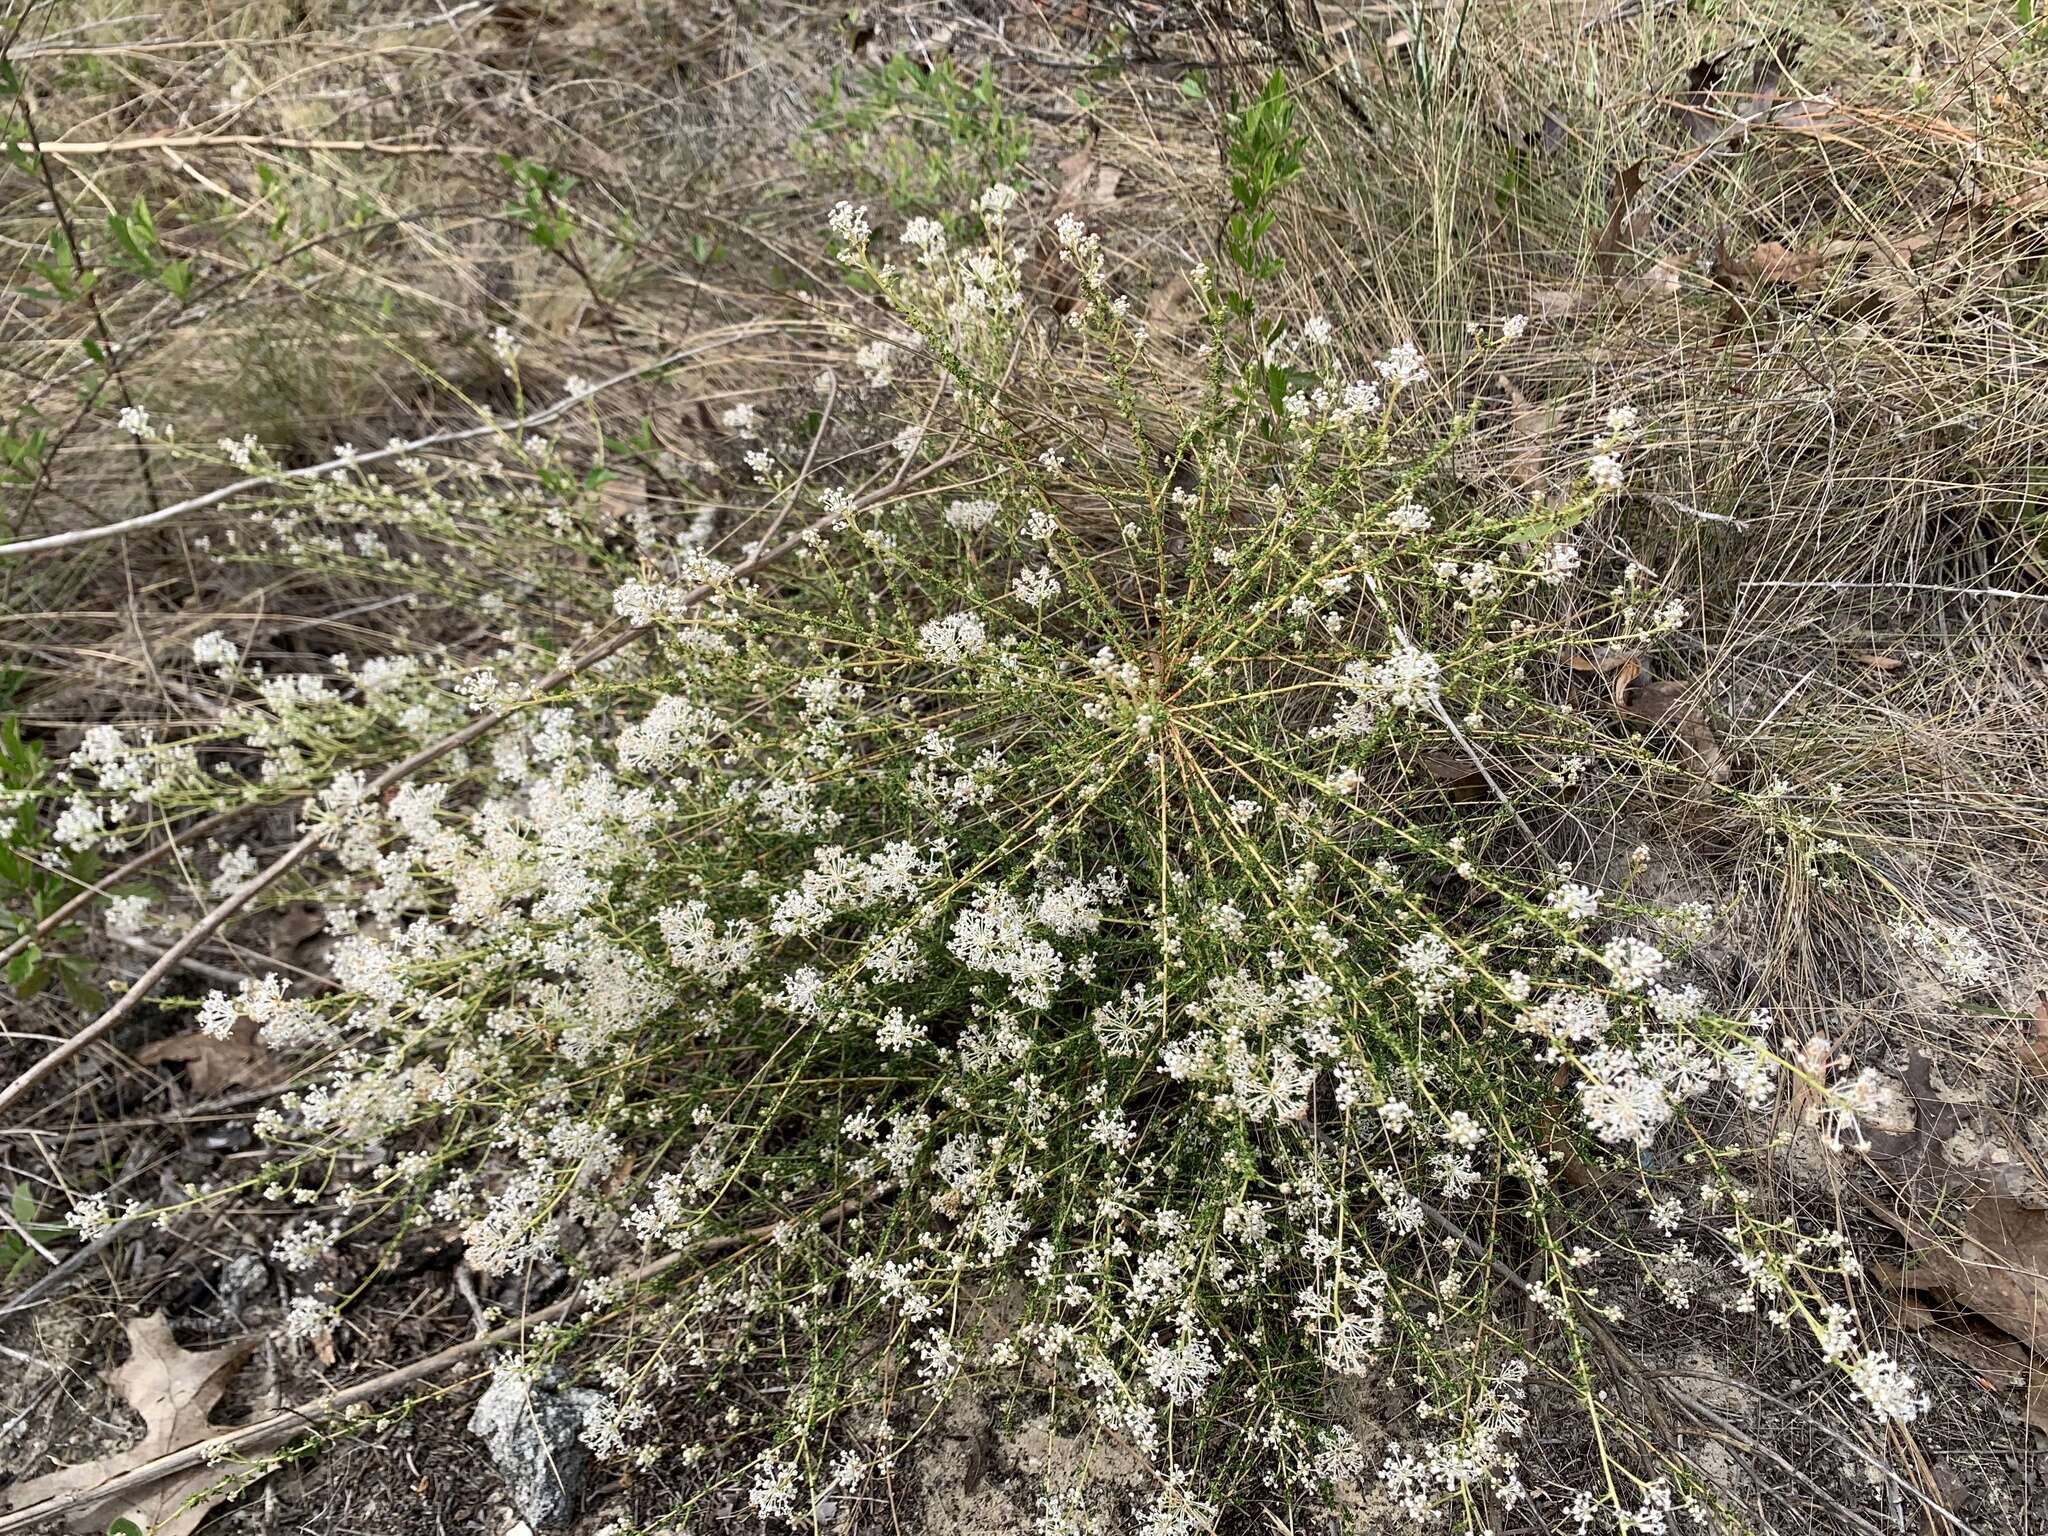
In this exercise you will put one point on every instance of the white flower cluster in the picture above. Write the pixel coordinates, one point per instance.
(953, 639)
(954, 913)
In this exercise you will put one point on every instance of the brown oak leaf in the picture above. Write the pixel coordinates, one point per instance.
(175, 1390)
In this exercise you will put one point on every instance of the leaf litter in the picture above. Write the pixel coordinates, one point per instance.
(175, 1390)
(1975, 1283)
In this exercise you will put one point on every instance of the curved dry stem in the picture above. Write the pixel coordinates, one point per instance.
(74, 537)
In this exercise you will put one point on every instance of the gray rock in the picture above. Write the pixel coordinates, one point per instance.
(534, 1432)
(242, 1280)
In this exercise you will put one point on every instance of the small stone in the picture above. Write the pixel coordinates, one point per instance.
(534, 1431)
(242, 1280)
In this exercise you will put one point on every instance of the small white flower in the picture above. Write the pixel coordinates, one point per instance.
(928, 238)
(1410, 517)
(214, 649)
(1887, 1387)
(308, 1317)
(1575, 903)
(1403, 366)
(849, 226)
(1034, 589)
(952, 639)
(90, 1217)
(970, 516)
(1633, 962)
(1557, 564)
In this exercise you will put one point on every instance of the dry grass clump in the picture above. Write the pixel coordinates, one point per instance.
(1814, 275)
(1808, 248)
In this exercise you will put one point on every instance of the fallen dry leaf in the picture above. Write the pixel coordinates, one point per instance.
(1086, 182)
(215, 1065)
(1803, 114)
(1174, 310)
(1621, 211)
(1773, 65)
(1619, 668)
(1454, 773)
(1622, 679)
(1661, 280)
(1985, 1260)
(1994, 1265)
(1694, 108)
(1662, 706)
(1995, 1359)
(298, 922)
(1770, 262)
(2033, 1050)
(1085, 185)
(1530, 428)
(1862, 275)
(175, 1390)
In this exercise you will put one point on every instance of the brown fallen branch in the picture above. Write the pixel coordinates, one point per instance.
(273, 1429)
(283, 864)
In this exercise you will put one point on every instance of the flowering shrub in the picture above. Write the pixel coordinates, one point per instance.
(1032, 914)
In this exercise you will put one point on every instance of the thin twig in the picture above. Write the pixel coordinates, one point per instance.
(220, 976)
(72, 1263)
(89, 147)
(1813, 1421)
(77, 536)
(1656, 1390)
(1444, 717)
(100, 887)
(110, 350)
(1903, 586)
(1672, 503)
(824, 420)
(27, 1236)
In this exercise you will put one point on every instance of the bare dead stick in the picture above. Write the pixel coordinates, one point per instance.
(279, 1426)
(90, 147)
(222, 493)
